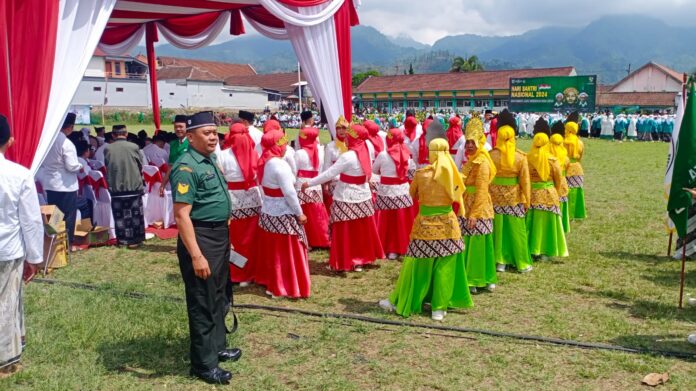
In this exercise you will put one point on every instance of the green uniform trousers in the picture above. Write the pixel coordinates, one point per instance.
(207, 300)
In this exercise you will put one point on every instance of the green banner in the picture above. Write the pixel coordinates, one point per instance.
(553, 93)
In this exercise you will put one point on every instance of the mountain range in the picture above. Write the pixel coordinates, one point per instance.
(607, 47)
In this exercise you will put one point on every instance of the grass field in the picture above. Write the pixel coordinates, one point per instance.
(617, 287)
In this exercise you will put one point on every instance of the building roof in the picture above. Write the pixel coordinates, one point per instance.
(185, 73)
(220, 70)
(454, 81)
(649, 99)
(678, 76)
(281, 82)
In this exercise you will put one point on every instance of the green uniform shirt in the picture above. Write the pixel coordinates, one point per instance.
(177, 149)
(197, 181)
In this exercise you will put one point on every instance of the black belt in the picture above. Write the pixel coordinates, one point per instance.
(208, 224)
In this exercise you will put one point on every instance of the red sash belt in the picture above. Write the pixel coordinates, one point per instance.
(163, 168)
(353, 180)
(307, 174)
(97, 184)
(387, 180)
(150, 180)
(276, 193)
(240, 185)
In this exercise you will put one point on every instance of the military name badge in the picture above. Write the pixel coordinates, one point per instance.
(182, 188)
(185, 169)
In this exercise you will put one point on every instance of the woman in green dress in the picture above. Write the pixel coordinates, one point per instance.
(544, 225)
(477, 225)
(575, 174)
(558, 150)
(433, 269)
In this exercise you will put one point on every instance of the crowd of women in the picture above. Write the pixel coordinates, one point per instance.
(371, 194)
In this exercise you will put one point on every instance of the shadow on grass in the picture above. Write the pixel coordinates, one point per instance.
(671, 278)
(159, 248)
(318, 268)
(147, 357)
(357, 306)
(644, 309)
(626, 256)
(663, 342)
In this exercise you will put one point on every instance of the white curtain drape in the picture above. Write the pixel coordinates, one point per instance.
(125, 46)
(303, 18)
(80, 26)
(315, 47)
(200, 40)
(269, 32)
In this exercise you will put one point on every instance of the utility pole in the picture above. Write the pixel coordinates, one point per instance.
(628, 71)
(299, 85)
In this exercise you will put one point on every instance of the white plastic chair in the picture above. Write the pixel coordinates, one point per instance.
(154, 204)
(102, 215)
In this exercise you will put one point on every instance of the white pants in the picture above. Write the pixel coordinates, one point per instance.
(11, 311)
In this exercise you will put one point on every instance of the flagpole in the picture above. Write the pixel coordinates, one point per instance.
(683, 265)
(669, 247)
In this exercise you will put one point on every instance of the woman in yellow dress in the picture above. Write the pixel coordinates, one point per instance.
(477, 225)
(544, 225)
(558, 150)
(575, 173)
(510, 192)
(433, 269)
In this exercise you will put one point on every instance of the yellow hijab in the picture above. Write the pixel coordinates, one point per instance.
(571, 140)
(557, 148)
(341, 144)
(446, 173)
(506, 146)
(474, 132)
(538, 157)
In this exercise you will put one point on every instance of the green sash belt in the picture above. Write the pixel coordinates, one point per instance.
(573, 160)
(541, 185)
(434, 210)
(471, 189)
(501, 181)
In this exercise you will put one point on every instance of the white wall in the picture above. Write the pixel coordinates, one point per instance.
(648, 79)
(205, 94)
(95, 68)
(135, 93)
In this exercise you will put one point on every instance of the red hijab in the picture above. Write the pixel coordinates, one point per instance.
(355, 137)
(398, 151)
(243, 148)
(373, 131)
(422, 145)
(271, 124)
(454, 132)
(410, 125)
(273, 144)
(308, 142)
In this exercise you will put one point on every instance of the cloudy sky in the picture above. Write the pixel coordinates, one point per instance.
(428, 20)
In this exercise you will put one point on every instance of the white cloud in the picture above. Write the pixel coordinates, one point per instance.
(427, 21)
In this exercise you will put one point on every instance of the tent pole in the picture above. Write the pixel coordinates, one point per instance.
(150, 39)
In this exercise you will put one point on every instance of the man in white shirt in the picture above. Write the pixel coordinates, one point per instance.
(155, 153)
(60, 168)
(247, 119)
(21, 248)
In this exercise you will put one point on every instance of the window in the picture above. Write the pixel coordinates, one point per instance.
(108, 69)
(171, 94)
(230, 94)
(480, 103)
(500, 102)
(96, 88)
(119, 89)
(117, 68)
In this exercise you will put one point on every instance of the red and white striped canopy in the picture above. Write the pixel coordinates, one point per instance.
(67, 32)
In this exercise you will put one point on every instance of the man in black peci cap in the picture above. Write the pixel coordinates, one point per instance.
(176, 147)
(59, 176)
(247, 118)
(202, 209)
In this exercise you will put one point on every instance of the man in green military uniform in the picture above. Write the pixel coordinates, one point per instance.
(202, 210)
(176, 147)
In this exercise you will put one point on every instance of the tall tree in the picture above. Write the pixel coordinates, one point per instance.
(360, 77)
(410, 69)
(466, 64)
